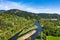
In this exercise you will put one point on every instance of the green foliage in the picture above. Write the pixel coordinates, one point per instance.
(50, 28)
(11, 24)
(14, 20)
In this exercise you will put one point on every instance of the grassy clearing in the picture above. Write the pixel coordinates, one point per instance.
(52, 38)
(58, 26)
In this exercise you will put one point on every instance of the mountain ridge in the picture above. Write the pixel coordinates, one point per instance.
(31, 15)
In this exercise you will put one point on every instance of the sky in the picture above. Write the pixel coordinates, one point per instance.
(35, 6)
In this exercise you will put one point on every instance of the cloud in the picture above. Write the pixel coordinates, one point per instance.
(6, 5)
(11, 5)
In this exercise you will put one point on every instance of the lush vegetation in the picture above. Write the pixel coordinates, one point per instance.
(14, 20)
(50, 28)
(11, 24)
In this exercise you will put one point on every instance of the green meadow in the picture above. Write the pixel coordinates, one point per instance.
(52, 38)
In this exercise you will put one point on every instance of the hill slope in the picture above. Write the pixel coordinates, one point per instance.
(14, 20)
(11, 24)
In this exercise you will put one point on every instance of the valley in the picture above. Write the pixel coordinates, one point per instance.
(14, 21)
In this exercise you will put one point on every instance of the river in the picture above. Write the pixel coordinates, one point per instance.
(39, 29)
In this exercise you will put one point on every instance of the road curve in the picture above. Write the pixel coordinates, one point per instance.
(27, 35)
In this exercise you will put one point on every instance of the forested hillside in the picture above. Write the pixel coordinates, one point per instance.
(14, 20)
(10, 24)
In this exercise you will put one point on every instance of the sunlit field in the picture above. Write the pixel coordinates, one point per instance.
(52, 38)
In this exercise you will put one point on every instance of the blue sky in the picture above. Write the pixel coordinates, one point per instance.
(36, 6)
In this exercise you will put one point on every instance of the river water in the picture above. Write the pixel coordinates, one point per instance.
(39, 29)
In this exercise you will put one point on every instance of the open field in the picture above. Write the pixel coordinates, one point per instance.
(52, 38)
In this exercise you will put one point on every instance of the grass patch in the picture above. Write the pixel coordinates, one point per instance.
(52, 38)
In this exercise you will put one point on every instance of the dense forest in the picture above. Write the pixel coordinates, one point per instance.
(12, 21)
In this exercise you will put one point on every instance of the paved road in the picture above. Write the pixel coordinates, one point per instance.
(27, 35)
